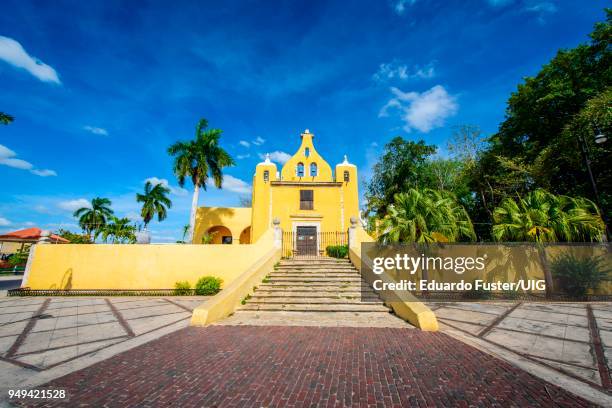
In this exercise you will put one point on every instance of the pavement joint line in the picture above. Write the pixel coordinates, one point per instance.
(562, 362)
(498, 320)
(156, 315)
(544, 311)
(20, 363)
(140, 307)
(462, 321)
(24, 333)
(78, 326)
(548, 321)
(28, 353)
(539, 334)
(23, 311)
(164, 326)
(179, 305)
(604, 372)
(469, 310)
(120, 318)
(528, 357)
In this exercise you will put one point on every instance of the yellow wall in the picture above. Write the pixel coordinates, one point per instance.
(139, 266)
(234, 219)
(324, 172)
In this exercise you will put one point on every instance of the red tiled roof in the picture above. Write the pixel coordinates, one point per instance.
(31, 234)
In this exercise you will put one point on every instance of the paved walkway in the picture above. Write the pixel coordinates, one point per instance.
(245, 366)
(575, 339)
(43, 338)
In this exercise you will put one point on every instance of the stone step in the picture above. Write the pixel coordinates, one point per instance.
(284, 292)
(314, 319)
(365, 307)
(316, 260)
(313, 275)
(355, 286)
(342, 279)
(315, 264)
(315, 300)
(313, 270)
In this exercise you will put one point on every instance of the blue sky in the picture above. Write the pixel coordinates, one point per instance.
(100, 89)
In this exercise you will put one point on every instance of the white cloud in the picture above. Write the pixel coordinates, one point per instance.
(96, 130)
(244, 143)
(9, 158)
(44, 173)
(13, 53)
(233, 184)
(541, 9)
(243, 156)
(394, 70)
(258, 141)
(277, 156)
(179, 191)
(4, 222)
(73, 205)
(400, 5)
(422, 111)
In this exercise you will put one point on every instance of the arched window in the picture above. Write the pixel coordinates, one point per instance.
(299, 171)
(313, 169)
(346, 176)
(266, 176)
(307, 152)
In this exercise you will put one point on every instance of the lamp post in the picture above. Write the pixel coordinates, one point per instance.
(584, 147)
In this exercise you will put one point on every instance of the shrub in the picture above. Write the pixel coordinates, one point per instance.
(182, 288)
(208, 285)
(578, 275)
(19, 258)
(337, 251)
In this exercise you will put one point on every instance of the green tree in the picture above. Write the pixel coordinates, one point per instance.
(569, 99)
(398, 170)
(541, 216)
(5, 119)
(93, 218)
(425, 216)
(119, 230)
(154, 201)
(200, 159)
(74, 238)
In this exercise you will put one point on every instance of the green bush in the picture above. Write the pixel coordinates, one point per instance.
(577, 275)
(182, 288)
(337, 251)
(208, 285)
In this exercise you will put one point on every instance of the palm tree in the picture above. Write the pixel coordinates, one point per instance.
(154, 201)
(120, 229)
(544, 217)
(5, 119)
(200, 159)
(425, 216)
(92, 219)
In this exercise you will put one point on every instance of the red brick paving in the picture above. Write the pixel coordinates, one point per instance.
(245, 366)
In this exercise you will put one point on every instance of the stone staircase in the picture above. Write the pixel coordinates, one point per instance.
(321, 292)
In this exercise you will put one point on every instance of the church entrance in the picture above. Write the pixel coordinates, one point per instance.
(306, 241)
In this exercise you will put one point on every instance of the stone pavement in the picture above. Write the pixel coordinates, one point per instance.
(288, 366)
(42, 338)
(574, 339)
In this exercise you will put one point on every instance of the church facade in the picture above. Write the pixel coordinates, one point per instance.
(306, 197)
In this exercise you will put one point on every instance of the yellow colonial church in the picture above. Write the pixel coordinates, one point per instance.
(306, 198)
